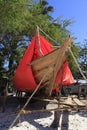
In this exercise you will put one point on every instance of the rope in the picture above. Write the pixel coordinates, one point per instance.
(48, 36)
(77, 64)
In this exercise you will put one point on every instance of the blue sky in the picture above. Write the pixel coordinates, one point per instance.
(75, 10)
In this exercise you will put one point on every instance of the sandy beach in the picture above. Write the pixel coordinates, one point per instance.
(70, 120)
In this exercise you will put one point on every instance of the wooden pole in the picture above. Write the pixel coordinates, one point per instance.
(77, 64)
(38, 41)
(4, 100)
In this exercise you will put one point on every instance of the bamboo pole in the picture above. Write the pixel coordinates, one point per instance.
(77, 64)
(38, 40)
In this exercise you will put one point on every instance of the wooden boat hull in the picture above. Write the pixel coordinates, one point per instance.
(46, 64)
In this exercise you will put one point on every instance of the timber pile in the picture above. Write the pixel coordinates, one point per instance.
(74, 103)
(70, 102)
(78, 102)
(66, 103)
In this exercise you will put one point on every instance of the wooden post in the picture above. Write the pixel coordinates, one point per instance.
(5, 91)
(79, 90)
(38, 40)
(65, 120)
(57, 115)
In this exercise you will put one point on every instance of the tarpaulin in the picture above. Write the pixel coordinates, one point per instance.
(64, 76)
(24, 78)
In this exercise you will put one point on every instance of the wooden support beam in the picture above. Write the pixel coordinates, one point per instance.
(77, 64)
(38, 41)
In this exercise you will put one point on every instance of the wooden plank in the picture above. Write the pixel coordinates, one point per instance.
(69, 102)
(78, 102)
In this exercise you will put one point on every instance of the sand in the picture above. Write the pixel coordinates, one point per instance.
(71, 120)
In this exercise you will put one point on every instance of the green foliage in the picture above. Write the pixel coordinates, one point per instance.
(13, 14)
(18, 18)
(83, 58)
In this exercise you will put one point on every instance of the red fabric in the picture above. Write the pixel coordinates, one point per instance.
(64, 76)
(24, 79)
